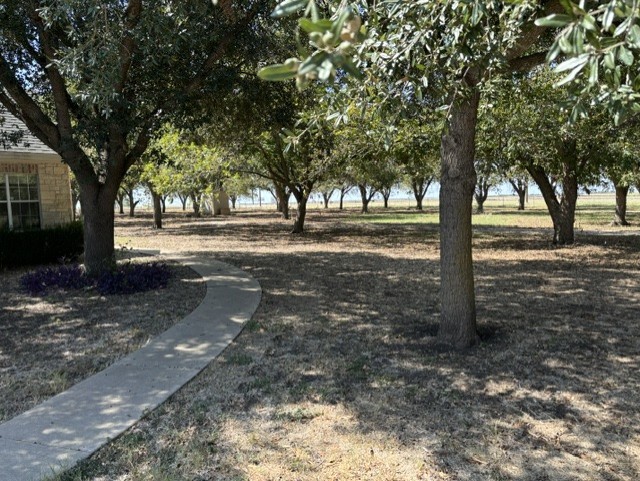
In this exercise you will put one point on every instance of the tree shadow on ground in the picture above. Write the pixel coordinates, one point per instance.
(550, 393)
(555, 372)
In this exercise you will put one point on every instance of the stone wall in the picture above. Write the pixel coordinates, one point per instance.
(53, 179)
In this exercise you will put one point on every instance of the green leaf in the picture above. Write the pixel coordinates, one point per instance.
(577, 67)
(577, 112)
(625, 55)
(634, 36)
(309, 26)
(622, 28)
(555, 20)
(609, 16)
(609, 60)
(339, 22)
(567, 5)
(348, 66)
(325, 70)
(593, 71)
(589, 23)
(554, 51)
(593, 40)
(572, 63)
(289, 7)
(313, 63)
(277, 73)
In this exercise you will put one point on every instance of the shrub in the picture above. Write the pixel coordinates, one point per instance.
(64, 277)
(42, 246)
(129, 278)
(126, 278)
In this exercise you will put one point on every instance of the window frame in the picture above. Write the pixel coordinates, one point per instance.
(9, 200)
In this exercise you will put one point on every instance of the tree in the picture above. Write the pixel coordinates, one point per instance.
(622, 181)
(199, 167)
(487, 177)
(599, 43)
(519, 180)
(326, 189)
(344, 190)
(238, 185)
(456, 48)
(94, 79)
(369, 162)
(281, 140)
(560, 157)
(158, 174)
(495, 162)
(295, 166)
(416, 149)
(130, 183)
(326, 196)
(619, 162)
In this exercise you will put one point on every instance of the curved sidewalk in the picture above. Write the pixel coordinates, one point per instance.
(72, 425)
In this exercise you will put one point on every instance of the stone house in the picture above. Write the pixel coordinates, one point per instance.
(35, 189)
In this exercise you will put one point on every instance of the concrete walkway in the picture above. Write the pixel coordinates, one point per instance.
(72, 425)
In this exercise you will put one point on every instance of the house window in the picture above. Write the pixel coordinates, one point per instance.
(19, 202)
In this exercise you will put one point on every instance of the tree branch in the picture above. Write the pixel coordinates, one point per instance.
(531, 33)
(221, 49)
(127, 45)
(20, 104)
(528, 62)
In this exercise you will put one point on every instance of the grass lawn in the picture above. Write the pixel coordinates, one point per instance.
(593, 212)
(336, 376)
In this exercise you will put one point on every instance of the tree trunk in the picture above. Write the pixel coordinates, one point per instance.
(283, 197)
(157, 209)
(520, 188)
(286, 214)
(563, 226)
(97, 209)
(132, 203)
(163, 199)
(521, 198)
(563, 211)
(458, 180)
(621, 205)
(120, 202)
(183, 201)
(233, 198)
(298, 225)
(366, 198)
(344, 190)
(326, 197)
(419, 188)
(386, 193)
(481, 193)
(196, 205)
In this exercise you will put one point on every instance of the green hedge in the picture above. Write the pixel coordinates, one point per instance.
(44, 246)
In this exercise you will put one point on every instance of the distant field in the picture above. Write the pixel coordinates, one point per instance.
(594, 212)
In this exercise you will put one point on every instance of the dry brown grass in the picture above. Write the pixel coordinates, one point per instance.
(337, 378)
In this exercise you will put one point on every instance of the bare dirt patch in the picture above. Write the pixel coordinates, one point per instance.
(49, 343)
(337, 378)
